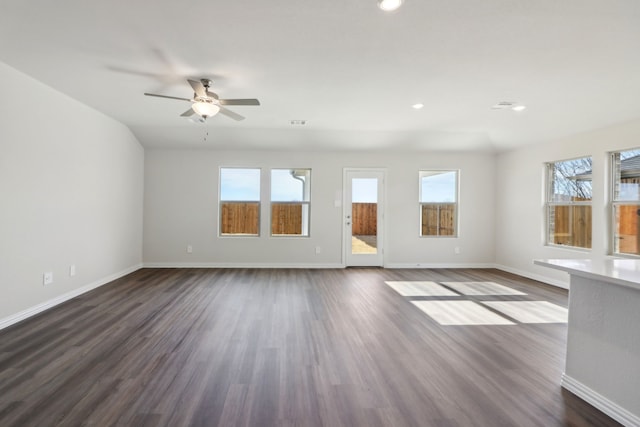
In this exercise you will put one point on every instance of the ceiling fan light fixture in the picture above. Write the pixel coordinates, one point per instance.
(205, 109)
(389, 5)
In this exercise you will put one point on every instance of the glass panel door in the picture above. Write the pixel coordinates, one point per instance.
(363, 217)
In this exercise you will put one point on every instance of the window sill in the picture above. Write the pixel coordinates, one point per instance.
(569, 248)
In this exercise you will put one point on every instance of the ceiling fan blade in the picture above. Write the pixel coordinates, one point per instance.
(169, 97)
(198, 88)
(239, 102)
(188, 113)
(231, 114)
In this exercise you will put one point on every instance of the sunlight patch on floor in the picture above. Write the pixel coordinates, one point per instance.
(460, 313)
(531, 311)
(420, 289)
(482, 288)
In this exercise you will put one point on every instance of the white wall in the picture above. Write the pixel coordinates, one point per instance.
(520, 199)
(71, 191)
(181, 208)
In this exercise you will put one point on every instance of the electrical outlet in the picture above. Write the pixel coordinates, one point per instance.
(72, 270)
(189, 249)
(47, 278)
(456, 250)
(318, 250)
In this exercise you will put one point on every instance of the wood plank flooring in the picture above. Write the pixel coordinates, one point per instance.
(244, 347)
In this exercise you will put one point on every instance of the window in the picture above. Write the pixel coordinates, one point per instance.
(625, 201)
(439, 203)
(290, 202)
(569, 203)
(239, 202)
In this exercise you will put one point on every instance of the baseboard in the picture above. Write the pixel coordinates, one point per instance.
(539, 278)
(600, 402)
(32, 311)
(276, 265)
(235, 265)
(436, 265)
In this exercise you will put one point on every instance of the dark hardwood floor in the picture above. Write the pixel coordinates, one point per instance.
(208, 347)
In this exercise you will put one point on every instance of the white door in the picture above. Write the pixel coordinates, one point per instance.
(363, 217)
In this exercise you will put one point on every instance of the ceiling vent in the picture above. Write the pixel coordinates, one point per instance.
(504, 105)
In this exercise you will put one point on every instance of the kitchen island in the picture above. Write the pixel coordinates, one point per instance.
(603, 338)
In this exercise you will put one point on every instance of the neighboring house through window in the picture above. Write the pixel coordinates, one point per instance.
(625, 201)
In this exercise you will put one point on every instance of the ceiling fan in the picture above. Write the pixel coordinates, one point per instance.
(206, 103)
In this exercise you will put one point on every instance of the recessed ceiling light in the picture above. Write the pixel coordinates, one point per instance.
(417, 106)
(389, 5)
(519, 108)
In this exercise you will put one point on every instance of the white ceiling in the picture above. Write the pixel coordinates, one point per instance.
(349, 69)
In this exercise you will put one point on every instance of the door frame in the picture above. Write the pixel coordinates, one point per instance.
(382, 218)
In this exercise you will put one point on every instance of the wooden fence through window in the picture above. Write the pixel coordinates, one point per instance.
(627, 219)
(286, 219)
(438, 219)
(364, 221)
(244, 218)
(572, 226)
(628, 222)
(240, 218)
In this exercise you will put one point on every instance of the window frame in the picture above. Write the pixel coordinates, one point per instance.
(221, 202)
(550, 205)
(455, 204)
(305, 205)
(615, 202)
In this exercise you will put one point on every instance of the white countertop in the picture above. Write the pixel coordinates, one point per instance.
(624, 272)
